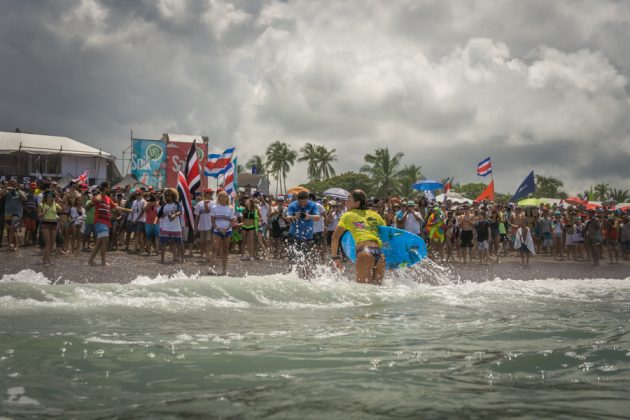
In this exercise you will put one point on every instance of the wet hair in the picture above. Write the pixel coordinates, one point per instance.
(361, 197)
(302, 195)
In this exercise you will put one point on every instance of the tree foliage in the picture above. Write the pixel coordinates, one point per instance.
(548, 187)
(259, 163)
(280, 159)
(408, 176)
(348, 181)
(383, 171)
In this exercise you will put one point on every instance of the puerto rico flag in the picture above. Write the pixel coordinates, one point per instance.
(485, 167)
(185, 198)
(217, 164)
(193, 174)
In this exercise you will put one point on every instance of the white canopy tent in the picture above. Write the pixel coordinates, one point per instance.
(24, 154)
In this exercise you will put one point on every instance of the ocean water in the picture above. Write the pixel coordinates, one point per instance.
(423, 345)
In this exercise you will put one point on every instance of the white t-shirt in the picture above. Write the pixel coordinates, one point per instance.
(136, 208)
(264, 214)
(411, 224)
(205, 222)
(281, 212)
(223, 216)
(166, 223)
(318, 225)
(334, 220)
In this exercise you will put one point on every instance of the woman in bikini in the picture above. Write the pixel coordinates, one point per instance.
(250, 224)
(48, 213)
(363, 226)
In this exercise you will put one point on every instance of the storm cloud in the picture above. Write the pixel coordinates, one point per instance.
(535, 85)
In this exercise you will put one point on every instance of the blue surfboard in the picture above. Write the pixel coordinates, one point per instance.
(401, 248)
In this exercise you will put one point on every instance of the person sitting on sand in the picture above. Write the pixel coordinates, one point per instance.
(363, 226)
(524, 243)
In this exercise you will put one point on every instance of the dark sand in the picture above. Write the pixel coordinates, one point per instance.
(126, 267)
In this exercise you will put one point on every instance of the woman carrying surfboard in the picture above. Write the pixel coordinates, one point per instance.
(363, 226)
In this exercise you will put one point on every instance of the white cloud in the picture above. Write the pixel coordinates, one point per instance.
(534, 84)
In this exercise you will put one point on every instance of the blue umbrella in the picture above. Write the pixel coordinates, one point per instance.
(428, 184)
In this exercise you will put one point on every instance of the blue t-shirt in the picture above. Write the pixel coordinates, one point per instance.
(302, 229)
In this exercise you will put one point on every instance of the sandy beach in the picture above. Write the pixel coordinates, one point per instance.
(125, 267)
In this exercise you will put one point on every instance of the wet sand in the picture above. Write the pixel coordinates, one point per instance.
(127, 267)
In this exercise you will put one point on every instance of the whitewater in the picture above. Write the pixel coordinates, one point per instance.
(425, 344)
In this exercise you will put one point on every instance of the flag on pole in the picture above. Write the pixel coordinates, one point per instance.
(487, 194)
(217, 163)
(191, 169)
(228, 179)
(83, 178)
(447, 187)
(185, 199)
(527, 187)
(485, 167)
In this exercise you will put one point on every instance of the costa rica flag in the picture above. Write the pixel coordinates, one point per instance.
(217, 163)
(485, 167)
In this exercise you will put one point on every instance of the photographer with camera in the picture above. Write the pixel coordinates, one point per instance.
(302, 213)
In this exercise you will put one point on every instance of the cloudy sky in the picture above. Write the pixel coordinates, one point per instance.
(534, 84)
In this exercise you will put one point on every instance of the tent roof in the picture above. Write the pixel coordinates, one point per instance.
(127, 180)
(38, 143)
(184, 138)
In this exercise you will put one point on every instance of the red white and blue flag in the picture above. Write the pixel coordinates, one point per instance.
(186, 199)
(217, 163)
(193, 174)
(485, 167)
(83, 178)
(228, 180)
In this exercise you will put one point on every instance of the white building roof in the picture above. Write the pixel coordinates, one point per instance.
(40, 144)
(184, 138)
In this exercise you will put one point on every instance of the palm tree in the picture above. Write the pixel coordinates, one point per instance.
(601, 191)
(280, 158)
(309, 154)
(619, 195)
(257, 162)
(587, 195)
(325, 169)
(383, 169)
(408, 176)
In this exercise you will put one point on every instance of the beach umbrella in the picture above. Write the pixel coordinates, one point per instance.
(531, 202)
(337, 193)
(297, 190)
(428, 185)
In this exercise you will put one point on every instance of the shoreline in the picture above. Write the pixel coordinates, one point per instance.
(125, 268)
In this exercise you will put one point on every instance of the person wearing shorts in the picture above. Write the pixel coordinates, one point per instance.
(170, 225)
(103, 205)
(483, 232)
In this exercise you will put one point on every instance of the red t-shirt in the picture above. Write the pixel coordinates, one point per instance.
(151, 213)
(102, 210)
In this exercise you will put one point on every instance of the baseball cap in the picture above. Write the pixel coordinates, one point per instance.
(280, 198)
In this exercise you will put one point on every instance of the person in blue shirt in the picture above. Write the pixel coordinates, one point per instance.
(302, 213)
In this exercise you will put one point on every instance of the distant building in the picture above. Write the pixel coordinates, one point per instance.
(253, 182)
(24, 155)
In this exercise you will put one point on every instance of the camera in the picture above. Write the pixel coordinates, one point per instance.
(303, 215)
